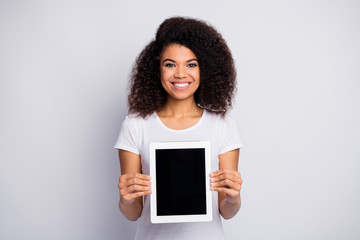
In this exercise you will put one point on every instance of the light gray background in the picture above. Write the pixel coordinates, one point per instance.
(64, 67)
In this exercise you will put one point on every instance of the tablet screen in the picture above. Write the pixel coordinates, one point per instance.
(180, 181)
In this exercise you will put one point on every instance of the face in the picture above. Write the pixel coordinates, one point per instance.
(180, 72)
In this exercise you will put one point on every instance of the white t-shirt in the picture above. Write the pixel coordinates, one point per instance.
(135, 136)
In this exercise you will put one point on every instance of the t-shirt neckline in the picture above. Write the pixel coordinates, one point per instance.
(181, 130)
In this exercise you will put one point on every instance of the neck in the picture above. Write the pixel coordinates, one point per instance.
(180, 108)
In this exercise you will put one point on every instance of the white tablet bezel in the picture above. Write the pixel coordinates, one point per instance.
(180, 218)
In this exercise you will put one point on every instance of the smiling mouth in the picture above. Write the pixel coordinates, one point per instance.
(181, 84)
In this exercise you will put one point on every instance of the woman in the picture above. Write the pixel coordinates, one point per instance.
(182, 86)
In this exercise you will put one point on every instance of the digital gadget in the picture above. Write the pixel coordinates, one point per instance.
(180, 182)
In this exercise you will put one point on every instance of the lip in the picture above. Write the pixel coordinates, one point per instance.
(181, 85)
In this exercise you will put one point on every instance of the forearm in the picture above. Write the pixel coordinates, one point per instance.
(131, 211)
(227, 181)
(227, 208)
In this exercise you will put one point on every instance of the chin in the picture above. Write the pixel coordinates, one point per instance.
(181, 97)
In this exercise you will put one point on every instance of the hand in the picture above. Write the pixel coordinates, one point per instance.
(132, 186)
(227, 181)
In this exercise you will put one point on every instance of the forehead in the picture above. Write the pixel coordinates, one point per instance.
(177, 51)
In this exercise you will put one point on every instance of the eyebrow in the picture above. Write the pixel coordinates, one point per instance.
(190, 60)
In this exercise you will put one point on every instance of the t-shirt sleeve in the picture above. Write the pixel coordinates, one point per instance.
(230, 137)
(129, 136)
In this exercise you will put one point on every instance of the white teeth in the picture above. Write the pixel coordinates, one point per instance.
(181, 84)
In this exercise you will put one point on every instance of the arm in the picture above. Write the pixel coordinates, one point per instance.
(132, 185)
(227, 181)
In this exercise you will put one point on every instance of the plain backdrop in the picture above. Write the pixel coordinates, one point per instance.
(64, 70)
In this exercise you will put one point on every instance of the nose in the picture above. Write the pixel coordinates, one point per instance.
(180, 72)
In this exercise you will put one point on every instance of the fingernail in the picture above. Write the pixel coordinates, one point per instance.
(212, 184)
(212, 179)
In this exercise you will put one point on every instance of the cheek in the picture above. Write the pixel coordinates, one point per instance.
(164, 82)
(164, 75)
(196, 77)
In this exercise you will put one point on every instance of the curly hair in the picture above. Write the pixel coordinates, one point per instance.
(217, 70)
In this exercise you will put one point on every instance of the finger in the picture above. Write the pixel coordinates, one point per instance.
(220, 171)
(130, 197)
(225, 171)
(134, 181)
(134, 175)
(133, 189)
(137, 188)
(226, 175)
(227, 183)
(231, 192)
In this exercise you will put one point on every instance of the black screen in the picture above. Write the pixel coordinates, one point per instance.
(180, 181)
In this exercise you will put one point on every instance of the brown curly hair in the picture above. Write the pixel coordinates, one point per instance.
(217, 70)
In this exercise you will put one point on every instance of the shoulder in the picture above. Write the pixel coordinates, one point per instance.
(225, 121)
(134, 118)
(135, 121)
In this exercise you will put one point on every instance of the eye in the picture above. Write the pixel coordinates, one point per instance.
(192, 65)
(169, 65)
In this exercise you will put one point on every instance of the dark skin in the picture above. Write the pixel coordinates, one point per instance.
(180, 77)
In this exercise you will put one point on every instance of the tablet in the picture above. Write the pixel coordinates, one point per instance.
(180, 182)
